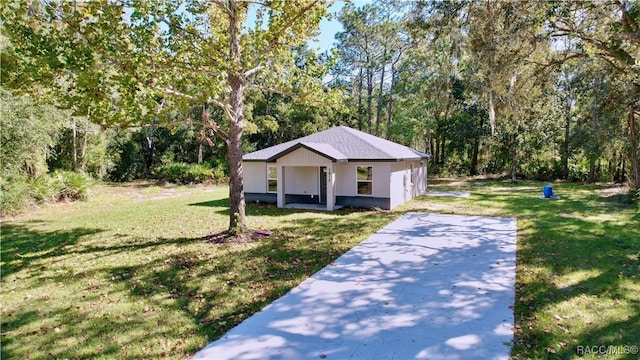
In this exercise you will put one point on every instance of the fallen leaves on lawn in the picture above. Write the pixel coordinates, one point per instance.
(224, 237)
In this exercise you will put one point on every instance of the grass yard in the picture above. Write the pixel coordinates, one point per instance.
(578, 266)
(127, 274)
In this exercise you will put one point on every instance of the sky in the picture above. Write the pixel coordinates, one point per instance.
(328, 29)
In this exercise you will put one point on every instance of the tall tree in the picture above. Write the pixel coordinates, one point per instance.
(607, 31)
(183, 51)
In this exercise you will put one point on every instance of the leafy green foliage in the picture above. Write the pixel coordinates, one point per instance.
(62, 185)
(14, 194)
(28, 130)
(127, 156)
(183, 173)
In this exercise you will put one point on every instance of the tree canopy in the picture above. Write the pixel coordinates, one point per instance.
(526, 89)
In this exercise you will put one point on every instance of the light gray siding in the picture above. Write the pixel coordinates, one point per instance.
(302, 180)
(255, 176)
(303, 157)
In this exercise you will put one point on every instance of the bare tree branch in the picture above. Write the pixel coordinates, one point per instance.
(274, 41)
(630, 37)
(171, 91)
(253, 71)
(222, 5)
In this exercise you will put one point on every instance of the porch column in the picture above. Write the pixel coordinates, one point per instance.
(280, 197)
(331, 187)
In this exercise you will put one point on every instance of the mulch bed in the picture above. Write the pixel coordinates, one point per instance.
(224, 237)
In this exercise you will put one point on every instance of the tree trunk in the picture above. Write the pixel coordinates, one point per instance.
(436, 153)
(379, 107)
(618, 175)
(149, 139)
(236, 187)
(360, 109)
(634, 149)
(390, 105)
(85, 141)
(476, 149)
(610, 164)
(514, 158)
(234, 138)
(565, 145)
(592, 170)
(369, 98)
(442, 144)
(75, 145)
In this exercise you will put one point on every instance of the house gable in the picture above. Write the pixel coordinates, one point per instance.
(303, 157)
(314, 152)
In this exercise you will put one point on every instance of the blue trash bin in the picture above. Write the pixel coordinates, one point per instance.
(547, 191)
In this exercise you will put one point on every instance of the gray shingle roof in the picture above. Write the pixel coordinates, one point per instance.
(339, 144)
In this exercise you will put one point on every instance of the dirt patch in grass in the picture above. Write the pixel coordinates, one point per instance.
(225, 237)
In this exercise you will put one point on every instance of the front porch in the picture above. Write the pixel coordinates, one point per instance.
(306, 187)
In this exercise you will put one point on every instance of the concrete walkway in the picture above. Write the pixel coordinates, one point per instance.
(426, 286)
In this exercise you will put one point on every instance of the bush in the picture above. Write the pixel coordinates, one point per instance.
(634, 195)
(61, 185)
(126, 156)
(184, 173)
(14, 194)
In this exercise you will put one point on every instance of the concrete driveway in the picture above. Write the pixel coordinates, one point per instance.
(426, 286)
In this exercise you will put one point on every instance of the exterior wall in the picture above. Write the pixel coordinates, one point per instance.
(398, 184)
(302, 180)
(420, 186)
(255, 176)
(391, 181)
(346, 179)
(402, 188)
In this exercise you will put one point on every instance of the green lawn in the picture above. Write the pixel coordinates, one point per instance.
(127, 275)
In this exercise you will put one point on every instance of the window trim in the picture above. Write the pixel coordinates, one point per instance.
(412, 169)
(272, 179)
(358, 181)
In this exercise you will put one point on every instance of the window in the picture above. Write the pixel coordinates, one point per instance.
(272, 178)
(365, 180)
(411, 169)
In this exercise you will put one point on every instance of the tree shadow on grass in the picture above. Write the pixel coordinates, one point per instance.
(22, 246)
(202, 289)
(220, 288)
(564, 239)
(214, 287)
(217, 203)
(560, 241)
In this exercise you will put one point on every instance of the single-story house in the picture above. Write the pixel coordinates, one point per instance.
(337, 167)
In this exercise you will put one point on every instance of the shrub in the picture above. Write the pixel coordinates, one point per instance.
(126, 156)
(634, 195)
(61, 185)
(57, 186)
(14, 194)
(184, 173)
